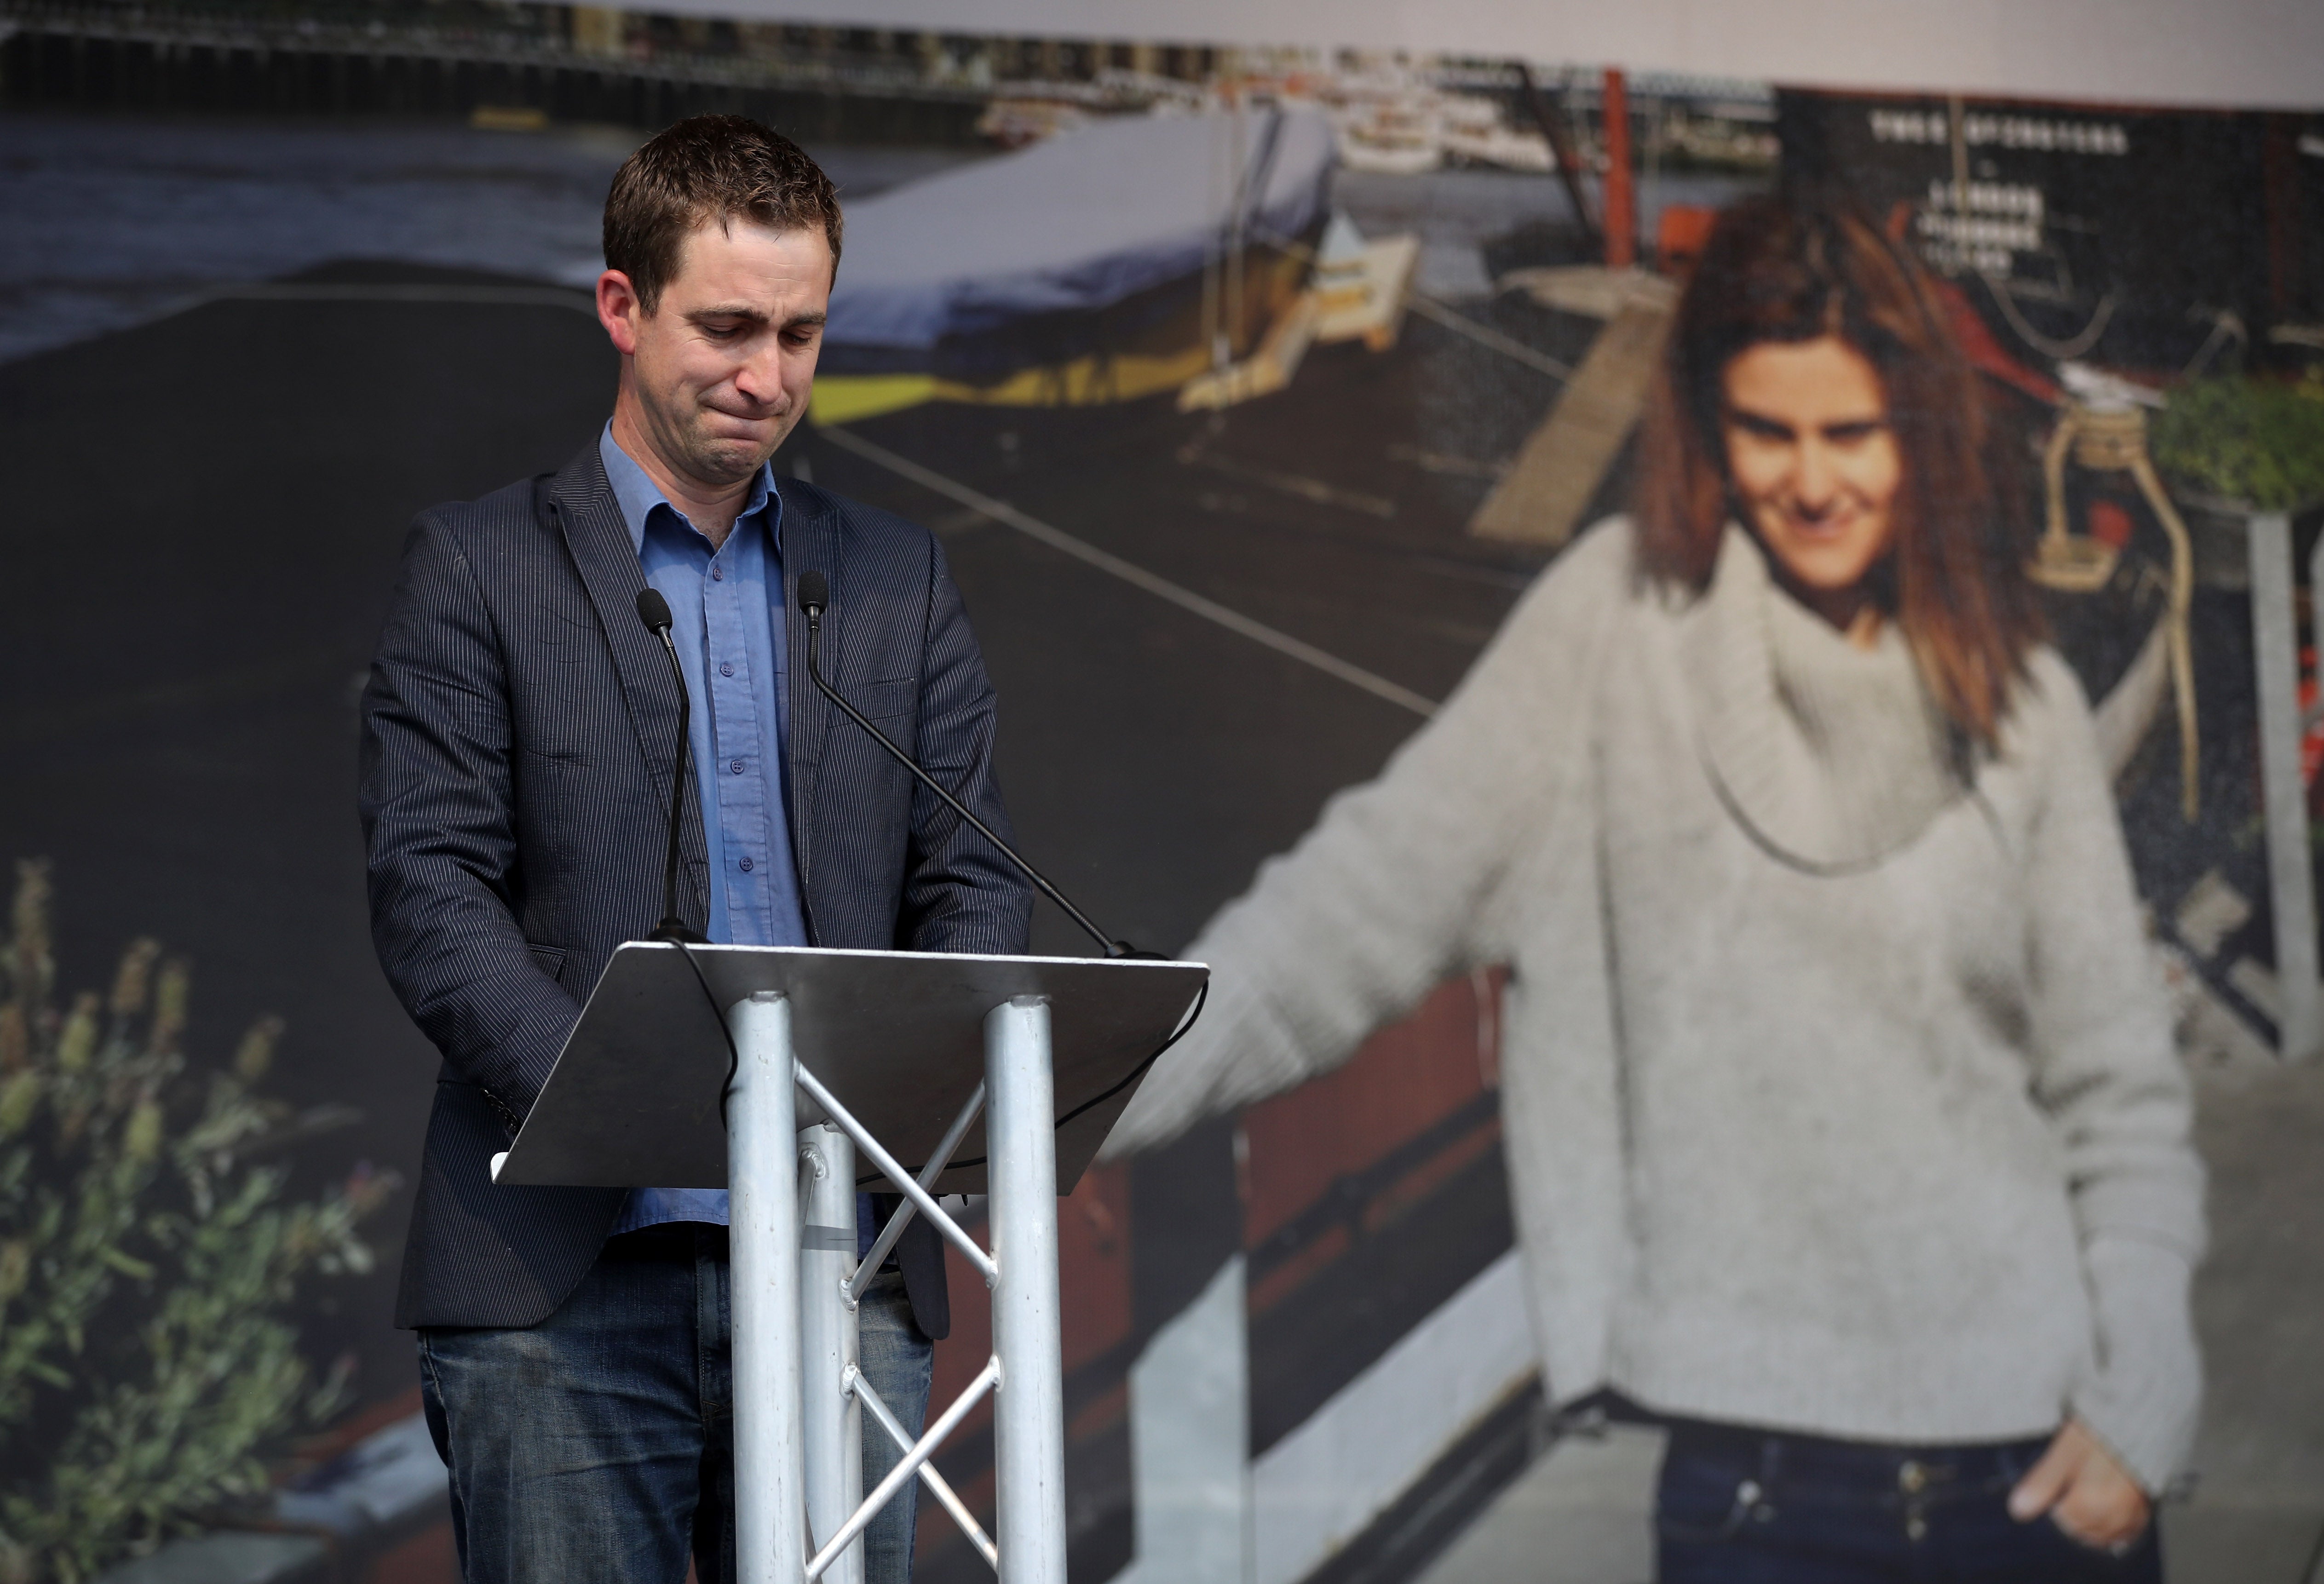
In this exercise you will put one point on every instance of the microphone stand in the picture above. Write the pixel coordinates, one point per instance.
(814, 595)
(812, 606)
(654, 612)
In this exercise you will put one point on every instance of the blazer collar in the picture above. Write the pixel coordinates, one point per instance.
(812, 542)
(597, 537)
(637, 495)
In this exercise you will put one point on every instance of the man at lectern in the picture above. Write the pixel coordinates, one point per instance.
(518, 729)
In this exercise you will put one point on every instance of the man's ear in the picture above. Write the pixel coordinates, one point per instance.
(620, 310)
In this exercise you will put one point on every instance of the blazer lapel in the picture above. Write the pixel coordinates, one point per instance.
(598, 539)
(810, 543)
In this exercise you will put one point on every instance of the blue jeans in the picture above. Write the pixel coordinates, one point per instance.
(597, 1446)
(1747, 1507)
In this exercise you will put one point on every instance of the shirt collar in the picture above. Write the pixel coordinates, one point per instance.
(638, 494)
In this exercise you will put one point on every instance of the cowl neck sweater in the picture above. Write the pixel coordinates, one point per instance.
(1838, 1095)
(1829, 753)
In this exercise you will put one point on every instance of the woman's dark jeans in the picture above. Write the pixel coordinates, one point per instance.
(597, 1446)
(1743, 1506)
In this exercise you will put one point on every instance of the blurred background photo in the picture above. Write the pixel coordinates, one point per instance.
(1248, 383)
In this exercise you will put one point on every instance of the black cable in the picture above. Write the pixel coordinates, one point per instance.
(733, 1056)
(1201, 996)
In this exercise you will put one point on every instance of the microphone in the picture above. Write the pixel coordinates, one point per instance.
(813, 598)
(654, 612)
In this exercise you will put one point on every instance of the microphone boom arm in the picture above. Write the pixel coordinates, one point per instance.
(1114, 948)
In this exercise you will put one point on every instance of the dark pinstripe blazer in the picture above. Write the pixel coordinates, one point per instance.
(517, 733)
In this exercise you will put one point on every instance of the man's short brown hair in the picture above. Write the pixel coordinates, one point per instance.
(709, 168)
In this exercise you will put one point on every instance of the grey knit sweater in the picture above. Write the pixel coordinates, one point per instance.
(1839, 1094)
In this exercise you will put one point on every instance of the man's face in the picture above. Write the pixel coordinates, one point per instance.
(723, 366)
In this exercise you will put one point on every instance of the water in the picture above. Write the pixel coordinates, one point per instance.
(1457, 212)
(113, 221)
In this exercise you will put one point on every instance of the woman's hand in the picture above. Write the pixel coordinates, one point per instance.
(2086, 1494)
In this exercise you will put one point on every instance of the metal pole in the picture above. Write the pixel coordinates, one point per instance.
(935, 1481)
(1621, 195)
(1236, 327)
(763, 1244)
(2292, 887)
(1028, 1429)
(1559, 130)
(1214, 260)
(877, 1255)
(833, 1422)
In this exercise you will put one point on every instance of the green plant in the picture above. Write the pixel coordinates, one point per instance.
(147, 1262)
(2259, 442)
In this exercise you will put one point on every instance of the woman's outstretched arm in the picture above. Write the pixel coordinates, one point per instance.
(1400, 883)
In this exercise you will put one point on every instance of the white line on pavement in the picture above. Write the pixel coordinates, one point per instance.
(1130, 572)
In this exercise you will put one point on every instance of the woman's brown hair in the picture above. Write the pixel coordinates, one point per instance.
(1789, 269)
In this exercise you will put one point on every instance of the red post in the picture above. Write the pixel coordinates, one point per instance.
(1621, 197)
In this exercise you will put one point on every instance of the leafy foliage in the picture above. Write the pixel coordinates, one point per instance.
(147, 1262)
(2256, 441)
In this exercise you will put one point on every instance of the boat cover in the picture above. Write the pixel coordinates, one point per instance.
(1077, 223)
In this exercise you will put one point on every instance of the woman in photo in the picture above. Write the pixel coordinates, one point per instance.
(1844, 1126)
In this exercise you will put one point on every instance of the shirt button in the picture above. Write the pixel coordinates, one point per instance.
(737, 767)
(726, 668)
(718, 575)
(746, 866)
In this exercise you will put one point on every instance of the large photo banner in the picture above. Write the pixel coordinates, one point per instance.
(1724, 672)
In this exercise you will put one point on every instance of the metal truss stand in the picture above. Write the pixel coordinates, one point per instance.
(834, 1053)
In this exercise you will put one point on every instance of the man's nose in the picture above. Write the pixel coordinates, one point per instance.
(761, 377)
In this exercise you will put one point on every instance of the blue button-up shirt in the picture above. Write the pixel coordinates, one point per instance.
(726, 611)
